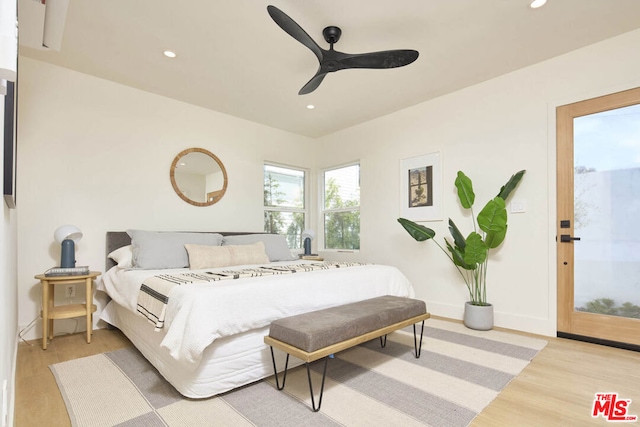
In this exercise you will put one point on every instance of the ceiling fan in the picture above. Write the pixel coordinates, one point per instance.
(332, 60)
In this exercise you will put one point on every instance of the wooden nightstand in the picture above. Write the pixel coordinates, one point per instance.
(51, 312)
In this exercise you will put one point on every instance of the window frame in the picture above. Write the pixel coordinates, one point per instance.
(324, 210)
(286, 209)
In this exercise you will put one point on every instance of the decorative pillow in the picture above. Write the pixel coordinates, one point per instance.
(225, 256)
(275, 244)
(123, 256)
(158, 249)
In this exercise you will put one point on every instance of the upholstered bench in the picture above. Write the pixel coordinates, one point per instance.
(320, 334)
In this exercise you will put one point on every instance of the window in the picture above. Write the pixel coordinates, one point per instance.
(341, 212)
(284, 202)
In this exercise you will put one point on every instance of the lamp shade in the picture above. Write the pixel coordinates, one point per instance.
(308, 233)
(65, 232)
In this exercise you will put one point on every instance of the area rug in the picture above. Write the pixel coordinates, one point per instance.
(459, 373)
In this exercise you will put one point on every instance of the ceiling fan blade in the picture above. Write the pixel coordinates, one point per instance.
(294, 30)
(313, 83)
(383, 59)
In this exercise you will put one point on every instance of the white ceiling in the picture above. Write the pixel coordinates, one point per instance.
(234, 59)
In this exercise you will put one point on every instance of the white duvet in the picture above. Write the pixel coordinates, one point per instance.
(198, 314)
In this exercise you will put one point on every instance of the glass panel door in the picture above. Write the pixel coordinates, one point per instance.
(598, 230)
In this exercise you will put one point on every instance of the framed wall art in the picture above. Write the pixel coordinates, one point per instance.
(421, 188)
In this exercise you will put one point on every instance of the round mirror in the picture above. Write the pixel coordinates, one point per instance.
(198, 177)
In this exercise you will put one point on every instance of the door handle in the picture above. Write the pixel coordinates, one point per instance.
(565, 238)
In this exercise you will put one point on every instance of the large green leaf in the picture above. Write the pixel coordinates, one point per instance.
(493, 221)
(493, 217)
(494, 238)
(476, 251)
(417, 231)
(458, 238)
(457, 255)
(465, 190)
(511, 185)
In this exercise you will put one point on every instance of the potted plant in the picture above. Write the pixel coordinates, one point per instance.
(470, 255)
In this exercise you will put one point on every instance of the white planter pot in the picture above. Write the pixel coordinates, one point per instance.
(478, 317)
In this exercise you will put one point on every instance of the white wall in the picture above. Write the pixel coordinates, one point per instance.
(489, 131)
(97, 155)
(8, 296)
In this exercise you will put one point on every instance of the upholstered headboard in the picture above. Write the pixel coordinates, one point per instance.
(118, 239)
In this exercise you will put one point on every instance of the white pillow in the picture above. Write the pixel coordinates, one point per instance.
(201, 256)
(123, 256)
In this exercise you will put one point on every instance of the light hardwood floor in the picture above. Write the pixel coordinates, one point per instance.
(38, 401)
(556, 389)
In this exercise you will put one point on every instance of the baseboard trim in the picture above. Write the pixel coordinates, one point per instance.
(515, 322)
(608, 343)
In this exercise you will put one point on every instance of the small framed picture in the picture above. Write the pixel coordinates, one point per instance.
(421, 188)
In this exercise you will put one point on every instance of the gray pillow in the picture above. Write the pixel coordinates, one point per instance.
(165, 249)
(275, 245)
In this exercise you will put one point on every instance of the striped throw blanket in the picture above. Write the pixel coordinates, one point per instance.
(154, 291)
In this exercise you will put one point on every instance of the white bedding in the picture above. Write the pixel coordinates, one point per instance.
(226, 364)
(199, 314)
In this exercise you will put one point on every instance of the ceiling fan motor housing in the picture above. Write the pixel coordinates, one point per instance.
(332, 34)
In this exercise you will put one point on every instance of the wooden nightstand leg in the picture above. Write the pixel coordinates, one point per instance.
(52, 294)
(89, 299)
(45, 313)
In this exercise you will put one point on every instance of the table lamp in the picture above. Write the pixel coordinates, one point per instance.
(66, 235)
(307, 237)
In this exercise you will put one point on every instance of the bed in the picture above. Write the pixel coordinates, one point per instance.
(208, 338)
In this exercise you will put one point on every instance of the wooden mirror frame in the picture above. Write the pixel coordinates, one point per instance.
(217, 194)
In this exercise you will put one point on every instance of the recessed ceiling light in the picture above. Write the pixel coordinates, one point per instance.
(537, 3)
(311, 106)
(169, 54)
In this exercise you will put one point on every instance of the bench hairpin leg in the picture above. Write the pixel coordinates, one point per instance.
(417, 347)
(275, 371)
(324, 374)
(383, 340)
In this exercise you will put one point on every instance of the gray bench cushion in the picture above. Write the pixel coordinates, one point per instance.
(319, 329)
